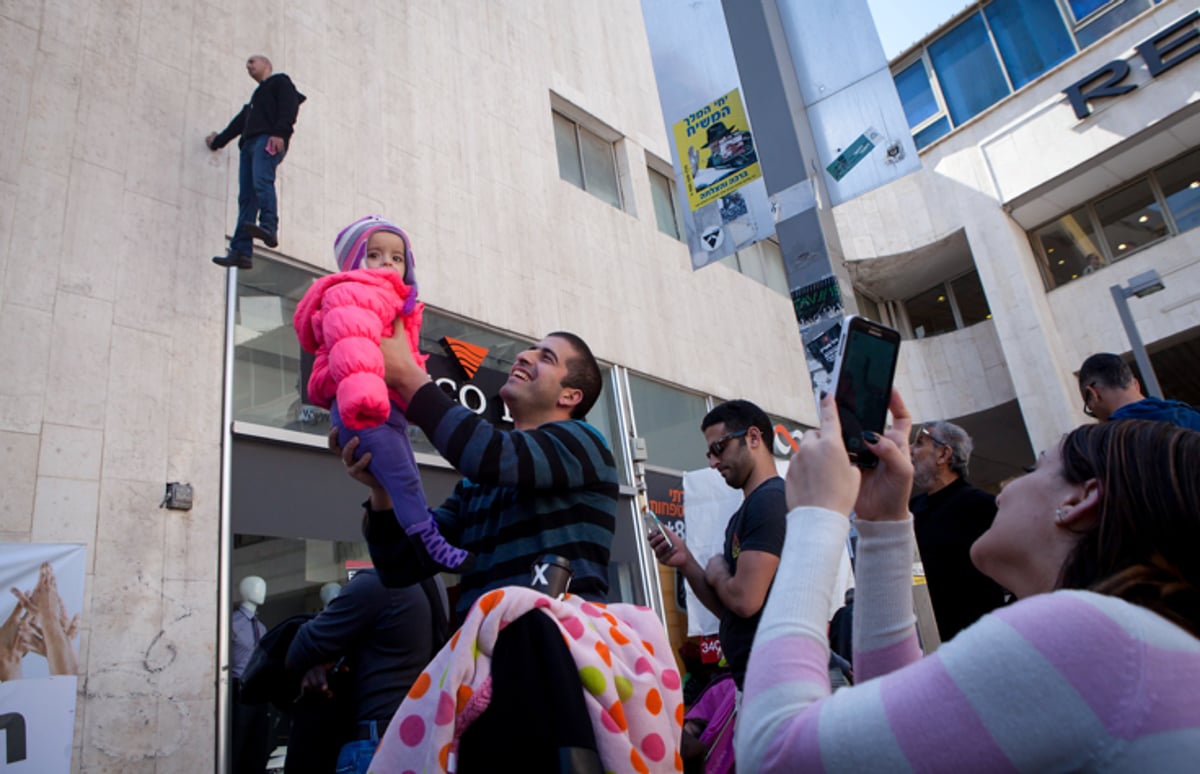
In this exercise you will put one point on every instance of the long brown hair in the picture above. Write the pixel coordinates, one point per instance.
(1145, 545)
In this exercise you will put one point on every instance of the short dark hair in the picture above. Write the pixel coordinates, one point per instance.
(738, 415)
(1107, 370)
(583, 373)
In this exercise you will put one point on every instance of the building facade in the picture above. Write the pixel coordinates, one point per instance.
(522, 147)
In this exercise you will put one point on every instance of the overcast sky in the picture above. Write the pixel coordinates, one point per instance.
(903, 22)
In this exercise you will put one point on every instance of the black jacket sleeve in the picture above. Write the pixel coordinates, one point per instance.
(349, 616)
(233, 130)
(287, 107)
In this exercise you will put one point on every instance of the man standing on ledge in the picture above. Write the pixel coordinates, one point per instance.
(265, 124)
(734, 585)
(549, 486)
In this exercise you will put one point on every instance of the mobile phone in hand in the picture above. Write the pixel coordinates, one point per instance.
(862, 384)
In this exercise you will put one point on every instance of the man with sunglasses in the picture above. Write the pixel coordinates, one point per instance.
(1110, 391)
(948, 516)
(734, 585)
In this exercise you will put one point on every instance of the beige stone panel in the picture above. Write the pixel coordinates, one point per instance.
(37, 238)
(24, 12)
(302, 212)
(63, 25)
(119, 734)
(165, 33)
(17, 46)
(205, 171)
(191, 539)
(131, 529)
(19, 461)
(8, 209)
(53, 108)
(188, 731)
(135, 437)
(155, 127)
(145, 279)
(112, 26)
(70, 452)
(77, 381)
(103, 136)
(200, 236)
(93, 237)
(186, 653)
(64, 510)
(26, 336)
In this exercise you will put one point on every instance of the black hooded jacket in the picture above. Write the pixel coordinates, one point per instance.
(272, 111)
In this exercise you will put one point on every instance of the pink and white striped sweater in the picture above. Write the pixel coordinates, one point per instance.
(1069, 681)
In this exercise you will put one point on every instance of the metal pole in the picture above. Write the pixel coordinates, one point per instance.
(224, 708)
(1149, 380)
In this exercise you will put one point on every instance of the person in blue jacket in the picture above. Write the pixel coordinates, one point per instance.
(1110, 392)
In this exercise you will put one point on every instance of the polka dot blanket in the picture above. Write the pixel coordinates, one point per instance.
(632, 688)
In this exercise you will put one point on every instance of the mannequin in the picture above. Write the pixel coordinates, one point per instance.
(328, 592)
(250, 726)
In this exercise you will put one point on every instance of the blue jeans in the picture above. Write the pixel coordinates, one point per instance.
(256, 193)
(355, 757)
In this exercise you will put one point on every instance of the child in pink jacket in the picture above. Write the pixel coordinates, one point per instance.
(342, 319)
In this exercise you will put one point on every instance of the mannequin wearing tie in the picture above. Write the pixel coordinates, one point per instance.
(250, 727)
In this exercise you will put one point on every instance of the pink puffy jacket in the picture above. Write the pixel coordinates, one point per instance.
(342, 319)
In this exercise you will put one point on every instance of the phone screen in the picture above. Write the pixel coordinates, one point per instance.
(864, 383)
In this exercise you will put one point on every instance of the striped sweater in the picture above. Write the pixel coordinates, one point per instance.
(550, 490)
(1068, 681)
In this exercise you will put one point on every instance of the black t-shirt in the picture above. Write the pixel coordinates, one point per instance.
(759, 525)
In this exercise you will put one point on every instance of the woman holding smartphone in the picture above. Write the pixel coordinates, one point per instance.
(1095, 668)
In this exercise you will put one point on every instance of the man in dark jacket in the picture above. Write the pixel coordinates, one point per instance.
(265, 125)
(948, 516)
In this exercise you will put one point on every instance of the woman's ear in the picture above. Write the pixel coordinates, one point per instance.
(1083, 506)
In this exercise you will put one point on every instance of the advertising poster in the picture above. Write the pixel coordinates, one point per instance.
(819, 312)
(719, 186)
(41, 588)
(716, 150)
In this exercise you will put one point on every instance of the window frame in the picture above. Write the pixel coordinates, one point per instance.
(947, 286)
(583, 122)
(655, 165)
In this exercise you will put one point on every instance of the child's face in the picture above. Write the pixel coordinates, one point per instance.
(385, 250)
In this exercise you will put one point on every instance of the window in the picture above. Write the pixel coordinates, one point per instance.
(763, 263)
(1096, 18)
(1130, 218)
(1143, 212)
(662, 191)
(669, 419)
(586, 160)
(929, 313)
(948, 306)
(1031, 35)
(916, 94)
(1070, 248)
(968, 69)
(1180, 181)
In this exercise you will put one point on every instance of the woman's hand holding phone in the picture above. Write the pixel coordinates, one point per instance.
(886, 488)
(820, 473)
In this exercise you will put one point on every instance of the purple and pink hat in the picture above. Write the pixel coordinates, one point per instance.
(350, 248)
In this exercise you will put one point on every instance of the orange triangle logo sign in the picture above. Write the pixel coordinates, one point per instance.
(469, 356)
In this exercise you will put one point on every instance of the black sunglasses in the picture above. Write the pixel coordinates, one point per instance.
(718, 446)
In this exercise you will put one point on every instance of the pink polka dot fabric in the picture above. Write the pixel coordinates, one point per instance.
(631, 686)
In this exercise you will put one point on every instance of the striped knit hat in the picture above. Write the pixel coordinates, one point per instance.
(350, 249)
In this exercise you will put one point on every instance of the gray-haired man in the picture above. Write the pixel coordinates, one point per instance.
(948, 516)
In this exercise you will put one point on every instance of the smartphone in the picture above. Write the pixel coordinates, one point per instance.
(862, 386)
(651, 521)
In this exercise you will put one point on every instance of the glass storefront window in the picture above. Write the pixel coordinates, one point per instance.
(967, 69)
(669, 420)
(1180, 182)
(929, 313)
(970, 299)
(1130, 219)
(1069, 247)
(270, 375)
(1031, 36)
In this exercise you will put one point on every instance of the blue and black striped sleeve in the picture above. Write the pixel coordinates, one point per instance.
(555, 456)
